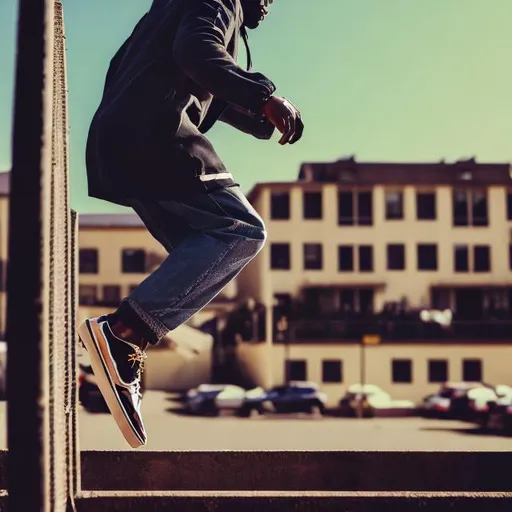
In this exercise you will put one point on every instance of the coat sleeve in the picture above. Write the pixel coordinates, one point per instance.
(200, 51)
(247, 123)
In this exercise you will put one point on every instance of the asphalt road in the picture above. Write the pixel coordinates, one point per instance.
(169, 430)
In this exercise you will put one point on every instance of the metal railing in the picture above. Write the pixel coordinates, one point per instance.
(399, 330)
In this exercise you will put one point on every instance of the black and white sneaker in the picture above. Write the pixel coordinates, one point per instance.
(117, 366)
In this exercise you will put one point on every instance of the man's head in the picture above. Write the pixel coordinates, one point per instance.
(255, 12)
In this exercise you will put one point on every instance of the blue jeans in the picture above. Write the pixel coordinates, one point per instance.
(209, 238)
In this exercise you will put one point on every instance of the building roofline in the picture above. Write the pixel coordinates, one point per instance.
(443, 172)
(109, 220)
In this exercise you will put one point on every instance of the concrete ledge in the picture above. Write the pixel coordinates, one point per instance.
(296, 471)
(298, 502)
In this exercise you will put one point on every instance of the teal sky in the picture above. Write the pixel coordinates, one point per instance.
(391, 80)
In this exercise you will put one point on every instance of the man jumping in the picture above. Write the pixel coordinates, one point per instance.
(172, 79)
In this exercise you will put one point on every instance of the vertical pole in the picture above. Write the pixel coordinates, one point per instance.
(362, 369)
(27, 286)
(287, 357)
(363, 363)
(73, 448)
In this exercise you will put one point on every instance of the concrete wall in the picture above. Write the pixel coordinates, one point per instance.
(255, 363)
(168, 370)
(495, 364)
(254, 281)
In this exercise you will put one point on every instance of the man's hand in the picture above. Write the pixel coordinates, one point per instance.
(285, 117)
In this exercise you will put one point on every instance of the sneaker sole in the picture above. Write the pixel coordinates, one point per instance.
(106, 385)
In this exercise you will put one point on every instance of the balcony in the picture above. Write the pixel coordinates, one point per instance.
(397, 330)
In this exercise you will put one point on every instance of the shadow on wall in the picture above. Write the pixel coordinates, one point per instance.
(254, 363)
(171, 365)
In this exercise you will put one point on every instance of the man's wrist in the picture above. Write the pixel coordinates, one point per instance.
(264, 107)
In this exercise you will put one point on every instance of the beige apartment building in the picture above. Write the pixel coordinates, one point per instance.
(350, 240)
(347, 242)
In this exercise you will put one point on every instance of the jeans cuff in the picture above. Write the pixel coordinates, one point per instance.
(131, 315)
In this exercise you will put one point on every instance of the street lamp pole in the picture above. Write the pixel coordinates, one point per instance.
(362, 375)
(368, 339)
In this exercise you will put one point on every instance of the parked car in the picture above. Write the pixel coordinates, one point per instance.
(480, 401)
(295, 397)
(482, 404)
(210, 399)
(434, 406)
(373, 401)
(500, 416)
(451, 401)
(463, 394)
(362, 397)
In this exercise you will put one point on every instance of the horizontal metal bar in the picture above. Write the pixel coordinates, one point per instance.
(296, 471)
(298, 502)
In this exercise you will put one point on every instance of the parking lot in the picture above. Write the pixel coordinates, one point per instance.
(169, 429)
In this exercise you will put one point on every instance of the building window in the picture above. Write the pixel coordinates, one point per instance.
(111, 294)
(280, 256)
(509, 205)
(470, 207)
(396, 256)
(460, 208)
(345, 258)
(394, 205)
(482, 258)
(312, 203)
(355, 300)
(346, 216)
(472, 370)
(366, 300)
(88, 261)
(280, 206)
(479, 208)
(427, 257)
(134, 261)
(297, 370)
(365, 258)
(355, 208)
(461, 258)
(426, 208)
(312, 256)
(437, 370)
(88, 295)
(348, 300)
(510, 259)
(364, 208)
(332, 371)
(401, 370)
